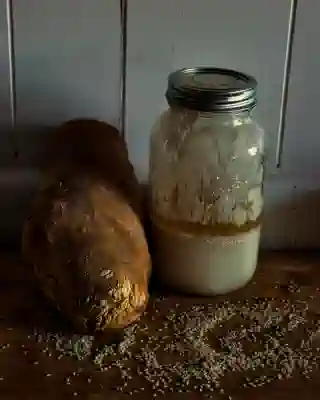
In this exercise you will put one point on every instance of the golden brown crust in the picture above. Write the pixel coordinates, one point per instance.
(89, 251)
(83, 238)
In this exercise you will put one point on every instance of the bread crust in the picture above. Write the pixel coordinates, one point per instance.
(84, 235)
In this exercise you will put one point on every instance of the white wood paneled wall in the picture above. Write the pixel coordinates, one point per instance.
(168, 35)
(300, 167)
(68, 63)
(6, 150)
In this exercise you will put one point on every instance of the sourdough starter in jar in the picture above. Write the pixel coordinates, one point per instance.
(206, 178)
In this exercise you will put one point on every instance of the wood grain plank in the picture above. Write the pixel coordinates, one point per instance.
(34, 364)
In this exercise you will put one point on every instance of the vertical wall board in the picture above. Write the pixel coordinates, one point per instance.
(7, 212)
(302, 134)
(6, 149)
(67, 65)
(249, 35)
(296, 223)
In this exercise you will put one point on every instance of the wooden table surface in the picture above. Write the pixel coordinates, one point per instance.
(179, 340)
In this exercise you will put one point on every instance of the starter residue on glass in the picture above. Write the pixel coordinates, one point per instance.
(206, 199)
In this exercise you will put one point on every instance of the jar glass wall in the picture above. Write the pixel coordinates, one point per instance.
(206, 175)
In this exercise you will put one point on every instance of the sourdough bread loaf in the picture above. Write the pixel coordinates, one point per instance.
(84, 235)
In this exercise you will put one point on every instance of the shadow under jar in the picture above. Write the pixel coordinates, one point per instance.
(206, 177)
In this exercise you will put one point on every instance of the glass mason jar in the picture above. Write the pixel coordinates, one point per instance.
(206, 177)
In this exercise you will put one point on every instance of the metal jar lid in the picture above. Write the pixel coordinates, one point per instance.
(211, 89)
